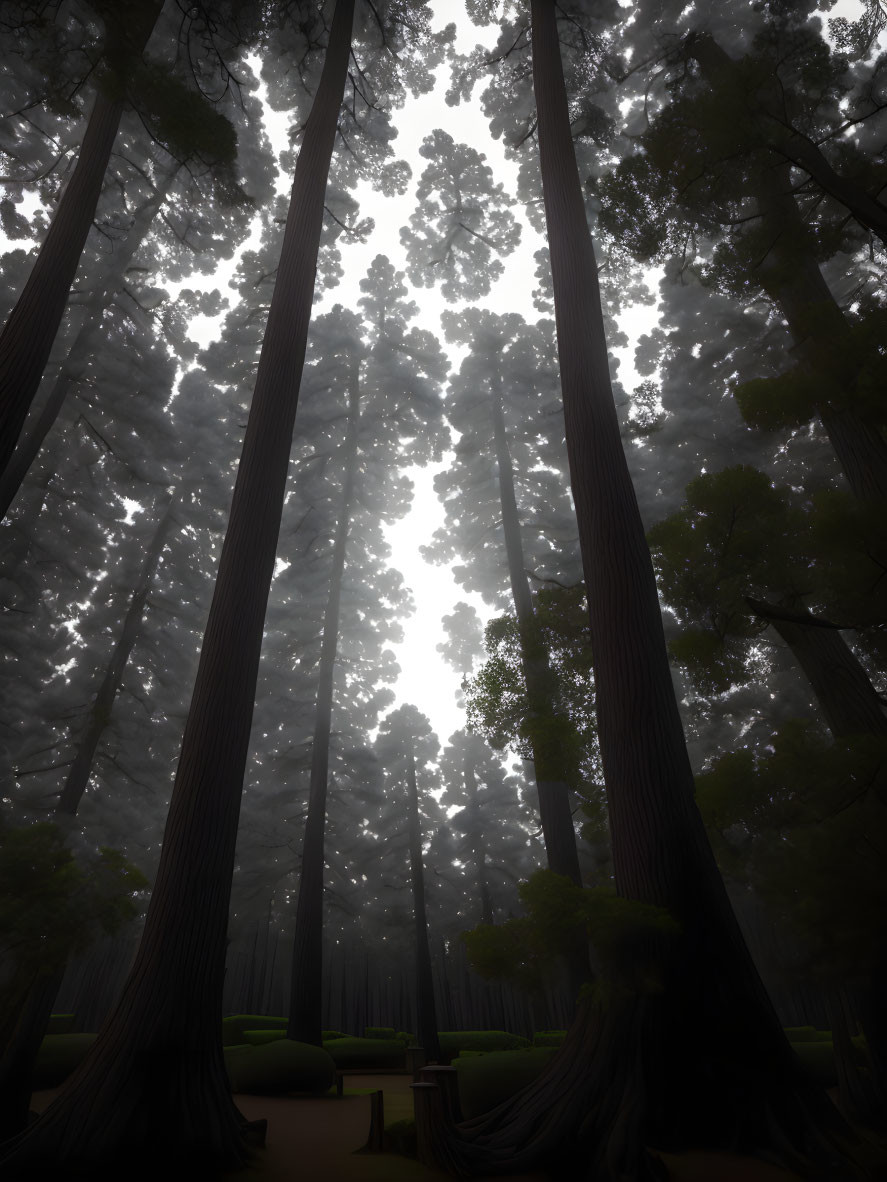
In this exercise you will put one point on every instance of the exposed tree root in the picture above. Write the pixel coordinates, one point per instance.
(617, 1092)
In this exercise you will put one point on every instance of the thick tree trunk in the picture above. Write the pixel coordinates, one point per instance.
(842, 688)
(697, 1059)
(306, 987)
(716, 64)
(84, 344)
(28, 335)
(554, 794)
(791, 277)
(426, 1014)
(100, 714)
(155, 1081)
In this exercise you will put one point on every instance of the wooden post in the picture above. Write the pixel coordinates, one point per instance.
(447, 1079)
(415, 1061)
(376, 1140)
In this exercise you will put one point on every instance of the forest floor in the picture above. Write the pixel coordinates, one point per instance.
(317, 1139)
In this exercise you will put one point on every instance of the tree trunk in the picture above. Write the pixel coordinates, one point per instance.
(841, 686)
(84, 344)
(154, 1084)
(554, 794)
(306, 987)
(100, 714)
(791, 277)
(684, 1049)
(716, 64)
(426, 1014)
(477, 838)
(31, 329)
(20, 1050)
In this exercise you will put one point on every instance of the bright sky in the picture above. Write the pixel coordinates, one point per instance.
(426, 679)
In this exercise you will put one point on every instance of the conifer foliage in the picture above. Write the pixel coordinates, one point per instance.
(682, 853)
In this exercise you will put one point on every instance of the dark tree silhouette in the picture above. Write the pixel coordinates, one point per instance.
(155, 1079)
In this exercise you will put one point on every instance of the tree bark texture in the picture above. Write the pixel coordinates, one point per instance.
(699, 1059)
(155, 1081)
(426, 1014)
(555, 813)
(84, 345)
(29, 333)
(306, 987)
(841, 686)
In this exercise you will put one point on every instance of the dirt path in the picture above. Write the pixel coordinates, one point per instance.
(317, 1140)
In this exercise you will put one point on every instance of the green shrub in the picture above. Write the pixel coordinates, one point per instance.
(60, 1024)
(258, 1038)
(549, 1038)
(807, 1034)
(487, 1080)
(234, 1026)
(378, 1032)
(453, 1042)
(366, 1052)
(326, 1035)
(406, 1038)
(59, 1054)
(279, 1066)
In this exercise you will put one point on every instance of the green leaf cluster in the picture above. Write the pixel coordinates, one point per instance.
(736, 535)
(523, 950)
(804, 823)
(556, 723)
(52, 905)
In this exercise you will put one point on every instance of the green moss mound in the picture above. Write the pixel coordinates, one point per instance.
(59, 1054)
(406, 1038)
(549, 1038)
(326, 1035)
(807, 1034)
(258, 1038)
(378, 1032)
(366, 1052)
(453, 1042)
(279, 1066)
(60, 1024)
(488, 1080)
(234, 1027)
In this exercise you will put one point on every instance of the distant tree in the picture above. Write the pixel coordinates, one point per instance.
(501, 490)
(405, 745)
(390, 386)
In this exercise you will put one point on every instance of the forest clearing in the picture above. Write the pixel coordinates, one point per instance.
(375, 371)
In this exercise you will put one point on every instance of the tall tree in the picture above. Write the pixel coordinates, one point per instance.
(406, 743)
(610, 1092)
(179, 1097)
(391, 398)
(502, 486)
